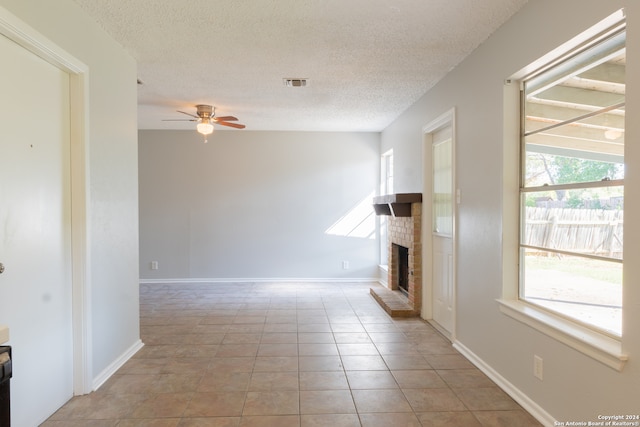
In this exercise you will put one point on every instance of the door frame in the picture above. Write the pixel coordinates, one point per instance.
(446, 119)
(33, 41)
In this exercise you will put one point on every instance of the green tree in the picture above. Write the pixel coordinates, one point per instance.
(552, 170)
(571, 169)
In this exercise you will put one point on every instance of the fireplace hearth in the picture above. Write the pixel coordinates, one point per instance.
(404, 234)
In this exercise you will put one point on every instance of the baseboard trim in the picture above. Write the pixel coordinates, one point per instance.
(516, 394)
(262, 280)
(440, 329)
(115, 365)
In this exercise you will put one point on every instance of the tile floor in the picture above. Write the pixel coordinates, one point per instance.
(288, 355)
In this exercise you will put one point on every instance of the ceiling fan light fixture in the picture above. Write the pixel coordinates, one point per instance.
(206, 117)
(205, 128)
(612, 134)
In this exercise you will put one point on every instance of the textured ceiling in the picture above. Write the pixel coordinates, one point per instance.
(366, 61)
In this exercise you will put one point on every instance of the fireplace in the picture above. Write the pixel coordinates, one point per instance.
(404, 234)
(401, 257)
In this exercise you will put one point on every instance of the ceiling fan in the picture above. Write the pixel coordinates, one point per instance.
(206, 118)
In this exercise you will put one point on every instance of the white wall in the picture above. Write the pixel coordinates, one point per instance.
(256, 205)
(575, 387)
(113, 222)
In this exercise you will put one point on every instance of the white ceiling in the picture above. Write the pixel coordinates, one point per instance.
(366, 61)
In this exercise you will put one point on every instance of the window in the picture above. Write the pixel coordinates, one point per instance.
(572, 184)
(386, 173)
(386, 187)
(442, 203)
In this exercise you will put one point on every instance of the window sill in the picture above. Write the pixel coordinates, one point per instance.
(589, 342)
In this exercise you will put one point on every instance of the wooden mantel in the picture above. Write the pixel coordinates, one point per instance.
(398, 205)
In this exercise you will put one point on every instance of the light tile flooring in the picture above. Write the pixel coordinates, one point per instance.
(288, 355)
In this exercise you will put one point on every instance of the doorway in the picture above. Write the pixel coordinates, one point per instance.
(35, 246)
(44, 296)
(439, 226)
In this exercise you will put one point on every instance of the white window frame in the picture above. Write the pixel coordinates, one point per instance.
(386, 172)
(597, 345)
(386, 187)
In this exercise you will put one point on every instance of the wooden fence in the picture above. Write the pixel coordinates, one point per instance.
(591, 231)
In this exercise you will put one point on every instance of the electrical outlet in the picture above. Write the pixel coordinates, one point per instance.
(345, 265)
(154, 265)
(537, 367)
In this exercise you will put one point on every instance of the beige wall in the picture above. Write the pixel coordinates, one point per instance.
(575, 387)
(258, 205)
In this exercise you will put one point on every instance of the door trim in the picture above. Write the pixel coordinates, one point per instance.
(446, 119)
(30, 39)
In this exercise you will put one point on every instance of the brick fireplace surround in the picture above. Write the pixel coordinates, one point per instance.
(404, 228)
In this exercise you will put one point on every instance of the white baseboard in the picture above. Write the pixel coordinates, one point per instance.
(115, 365)
(263, 280)
(440, 329)
(516, 394)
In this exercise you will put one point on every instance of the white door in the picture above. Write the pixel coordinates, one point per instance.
(35, 232)
(442, 228)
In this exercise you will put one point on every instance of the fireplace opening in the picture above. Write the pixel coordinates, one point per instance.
(402, 259)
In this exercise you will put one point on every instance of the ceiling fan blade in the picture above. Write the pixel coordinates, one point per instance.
(225, 119)
(233, 125)
(188, 114)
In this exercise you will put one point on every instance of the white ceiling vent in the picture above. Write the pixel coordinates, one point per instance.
(295, 82)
